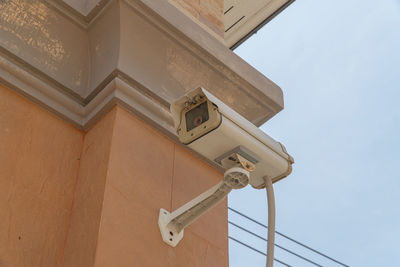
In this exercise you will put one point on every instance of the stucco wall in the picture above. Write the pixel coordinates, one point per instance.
(69, 198)
(133, 171)
(207, 12)
(148, 171)
(39, 162)
(80, 248)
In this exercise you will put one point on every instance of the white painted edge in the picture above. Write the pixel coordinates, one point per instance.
(28, 85)
(243, 28)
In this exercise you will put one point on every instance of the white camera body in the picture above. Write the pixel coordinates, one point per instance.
(214, 130)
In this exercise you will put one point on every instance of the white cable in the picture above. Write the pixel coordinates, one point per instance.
(271, 221)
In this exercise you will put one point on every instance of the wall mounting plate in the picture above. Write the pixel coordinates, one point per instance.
(169, 236)
(238, 156)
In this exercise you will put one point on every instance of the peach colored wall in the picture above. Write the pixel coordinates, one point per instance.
(81, 244)
(208, 12)
(147, 171)
(39, 161)
(74, 199)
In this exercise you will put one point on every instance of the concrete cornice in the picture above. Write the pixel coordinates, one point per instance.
(117, 91)
(139, 54)
(82, 19)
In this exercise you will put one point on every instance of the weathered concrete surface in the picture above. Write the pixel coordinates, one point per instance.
(206, 12)
(163, 56)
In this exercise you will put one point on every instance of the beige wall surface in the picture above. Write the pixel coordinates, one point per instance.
(73, 199)
(207, 12)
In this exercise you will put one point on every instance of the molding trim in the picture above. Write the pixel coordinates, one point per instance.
(117, 92)
(129, 94)
(81, 19)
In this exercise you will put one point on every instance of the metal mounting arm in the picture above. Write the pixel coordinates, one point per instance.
(172, 224)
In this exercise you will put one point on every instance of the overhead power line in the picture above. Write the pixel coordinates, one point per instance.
(256, 250)
(289, 238)
(276, 245)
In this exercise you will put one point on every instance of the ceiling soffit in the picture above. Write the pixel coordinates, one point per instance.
(243, 18)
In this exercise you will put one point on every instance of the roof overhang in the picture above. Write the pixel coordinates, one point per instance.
(243, 18)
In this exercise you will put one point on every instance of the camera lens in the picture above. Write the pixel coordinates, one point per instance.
(197, 121)
(197, 116)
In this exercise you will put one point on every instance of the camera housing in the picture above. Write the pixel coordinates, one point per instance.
(217, 132)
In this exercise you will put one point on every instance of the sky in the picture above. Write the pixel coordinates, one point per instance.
(338, 64)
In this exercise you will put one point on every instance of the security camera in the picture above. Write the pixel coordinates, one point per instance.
(214, 130)
(211, 128)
